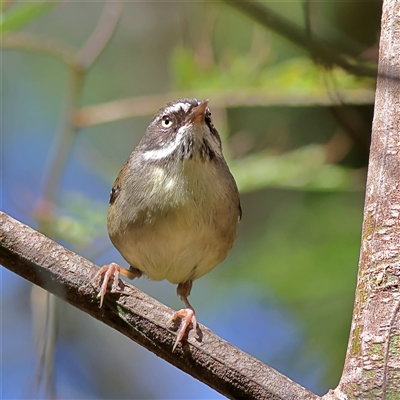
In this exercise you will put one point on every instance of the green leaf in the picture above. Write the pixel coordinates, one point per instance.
(22, 14)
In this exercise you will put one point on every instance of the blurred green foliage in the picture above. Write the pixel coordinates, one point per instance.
(306, 253)
(22, 14)
(80, 220)
(304, 168)
(243, 71)
(300, 244)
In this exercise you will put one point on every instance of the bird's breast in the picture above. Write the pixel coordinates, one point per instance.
(178, 225)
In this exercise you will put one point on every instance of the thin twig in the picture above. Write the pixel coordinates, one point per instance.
(146, 105)
(40, 44)
(102, 34)
(63, 143)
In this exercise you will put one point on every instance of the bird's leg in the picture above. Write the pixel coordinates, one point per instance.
(114, 270)
(186, 315)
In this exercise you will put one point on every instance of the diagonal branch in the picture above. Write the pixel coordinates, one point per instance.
(143, 319)
(321, 50)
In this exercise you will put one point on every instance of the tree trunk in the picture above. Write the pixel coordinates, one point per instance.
(372, 366)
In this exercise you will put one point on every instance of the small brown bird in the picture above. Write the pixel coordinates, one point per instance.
(175, 206)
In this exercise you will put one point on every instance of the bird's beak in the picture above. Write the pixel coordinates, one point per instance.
(198, 113)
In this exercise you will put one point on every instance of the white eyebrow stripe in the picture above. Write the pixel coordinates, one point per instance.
(176, 107)
(167, 150)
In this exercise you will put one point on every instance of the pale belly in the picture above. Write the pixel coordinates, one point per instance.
(179, 246)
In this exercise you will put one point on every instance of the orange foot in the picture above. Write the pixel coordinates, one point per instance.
(186, 317)
(114, 270)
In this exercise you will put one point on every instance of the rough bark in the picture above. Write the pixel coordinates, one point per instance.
(372, 367)
(143, 319)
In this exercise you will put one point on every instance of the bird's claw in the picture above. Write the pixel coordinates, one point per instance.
(186, 316)
(108, 270)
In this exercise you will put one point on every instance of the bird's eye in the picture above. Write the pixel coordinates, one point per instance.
(166, 122)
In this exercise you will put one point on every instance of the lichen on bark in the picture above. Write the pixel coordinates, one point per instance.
(372, 367)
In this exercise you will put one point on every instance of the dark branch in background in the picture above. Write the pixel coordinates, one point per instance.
(321, 50)
(143, 319)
